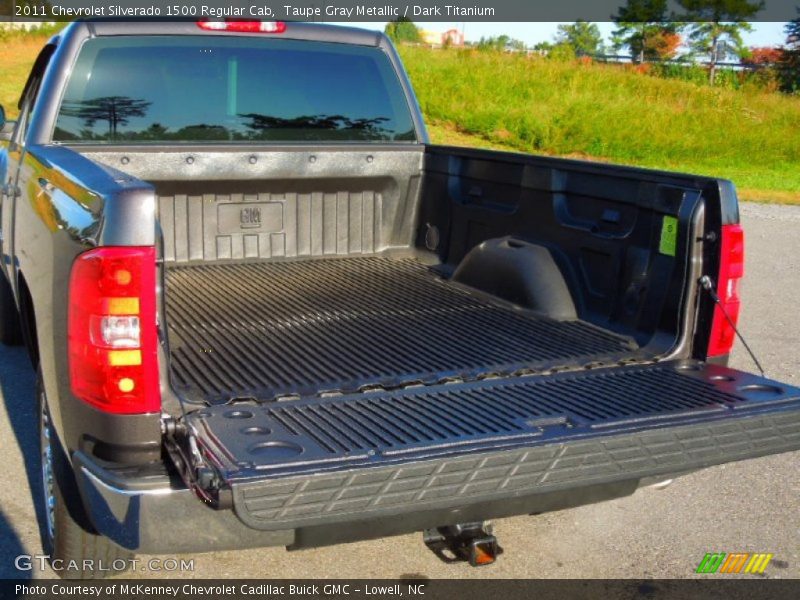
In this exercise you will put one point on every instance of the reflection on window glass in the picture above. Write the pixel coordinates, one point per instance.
(231, 89)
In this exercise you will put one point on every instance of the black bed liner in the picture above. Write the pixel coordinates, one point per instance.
(305, 462)
(266, 329)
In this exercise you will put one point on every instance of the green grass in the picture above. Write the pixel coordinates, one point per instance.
(611, 113)
(18, 51)
(599, 112)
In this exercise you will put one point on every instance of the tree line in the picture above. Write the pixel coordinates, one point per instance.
(711, 30)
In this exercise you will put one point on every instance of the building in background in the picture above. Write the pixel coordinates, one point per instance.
(451, 37)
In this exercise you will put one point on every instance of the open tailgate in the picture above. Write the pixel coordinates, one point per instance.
(329, 460)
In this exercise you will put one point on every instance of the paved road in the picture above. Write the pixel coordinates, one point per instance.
(750, 506)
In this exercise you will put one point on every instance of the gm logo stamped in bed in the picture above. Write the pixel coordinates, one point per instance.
(250, 217)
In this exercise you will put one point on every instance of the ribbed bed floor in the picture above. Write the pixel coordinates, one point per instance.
(265, 330)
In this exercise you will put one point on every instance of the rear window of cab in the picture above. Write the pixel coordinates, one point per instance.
(156, 89)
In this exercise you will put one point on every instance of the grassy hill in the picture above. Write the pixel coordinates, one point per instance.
(611, 113)
(17, 53)
(600, 112)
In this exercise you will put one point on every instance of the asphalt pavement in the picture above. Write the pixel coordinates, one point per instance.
(747, 506)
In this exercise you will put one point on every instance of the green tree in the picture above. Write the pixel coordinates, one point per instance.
(789, 65)
(584, 38)
(516, 45)
(641, 25)
(116, 110)
(501, 43)
(715, 27)
(494, 43)
(402, 30)
(562, 52)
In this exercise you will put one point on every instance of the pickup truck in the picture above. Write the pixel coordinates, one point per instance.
(266, 311)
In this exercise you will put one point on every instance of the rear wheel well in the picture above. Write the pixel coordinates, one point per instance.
(28, 320)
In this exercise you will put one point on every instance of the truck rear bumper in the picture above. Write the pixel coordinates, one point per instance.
(162, 519)
(157, 516)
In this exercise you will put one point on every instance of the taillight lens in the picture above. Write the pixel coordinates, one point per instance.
(244, 26)
(113, 339)
(731, 270)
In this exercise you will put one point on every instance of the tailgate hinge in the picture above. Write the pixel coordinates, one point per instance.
(180, 442)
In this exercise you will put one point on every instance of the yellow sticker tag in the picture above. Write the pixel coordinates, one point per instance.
(669, 236)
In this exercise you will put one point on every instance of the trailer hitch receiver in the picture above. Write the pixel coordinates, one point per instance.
(465, 542)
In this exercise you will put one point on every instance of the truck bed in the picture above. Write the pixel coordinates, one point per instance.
(266, 330)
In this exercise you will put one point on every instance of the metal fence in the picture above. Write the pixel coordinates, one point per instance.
(684, 62)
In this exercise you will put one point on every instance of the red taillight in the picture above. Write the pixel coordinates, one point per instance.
(113, 341)
(244, 26)
(731, 270)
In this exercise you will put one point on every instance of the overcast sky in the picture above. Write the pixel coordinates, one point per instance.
(763, 34)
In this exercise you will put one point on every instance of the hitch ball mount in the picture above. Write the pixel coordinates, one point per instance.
(465, 542)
